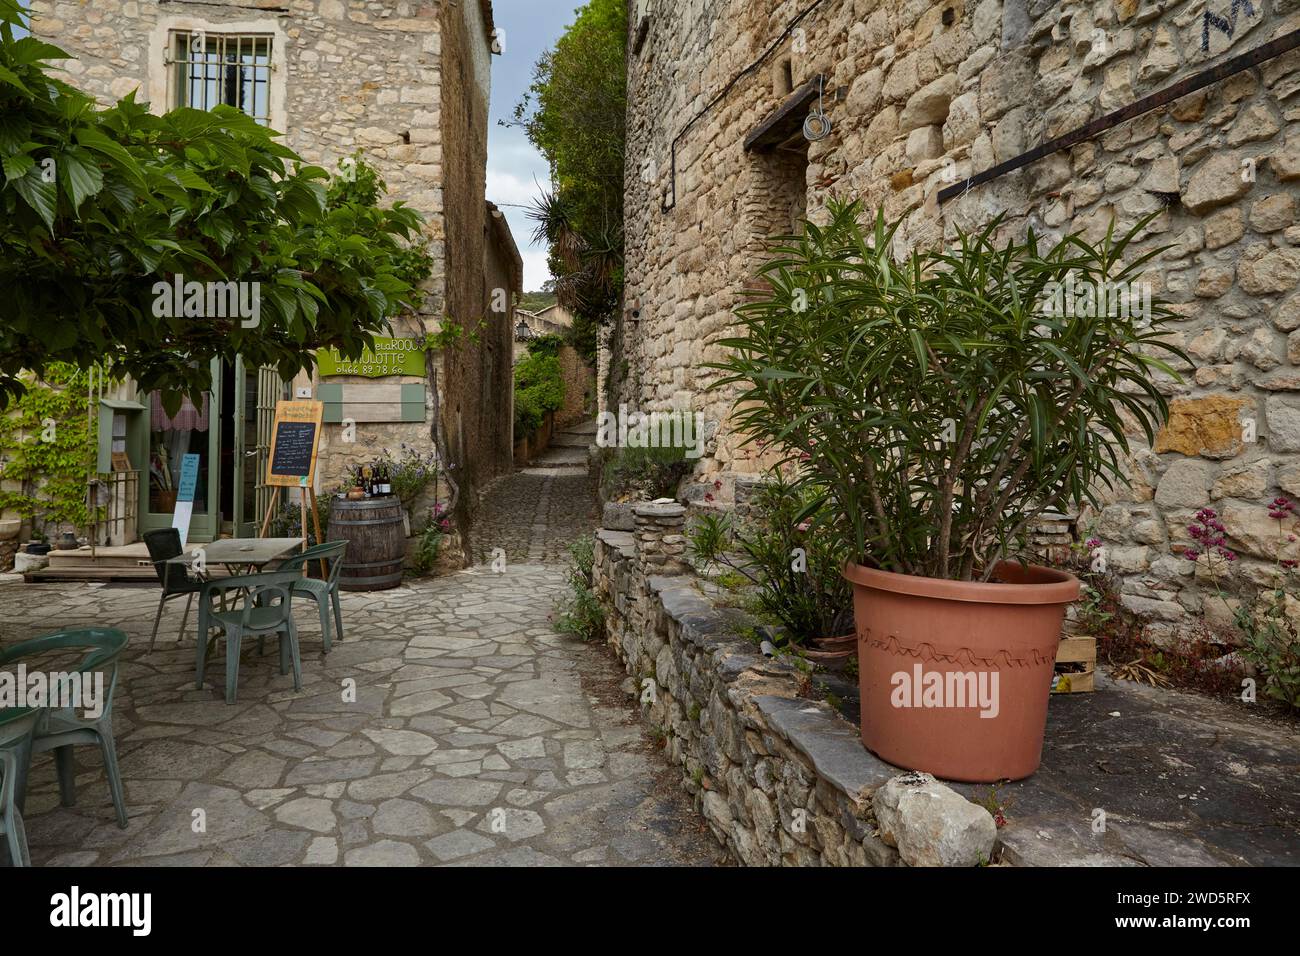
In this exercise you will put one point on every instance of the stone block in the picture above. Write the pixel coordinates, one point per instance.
(1272, 212)
(928, 105)
(1282, 413)
(931, 824)
(1217, 181)
(1210, 427)
(1186, 484)
(1248, 480)
(1224, 227)
(25, 563)
(924, 142)
(618, 516)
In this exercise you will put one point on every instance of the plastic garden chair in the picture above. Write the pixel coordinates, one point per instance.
(62, 728)
(268, 609)
(16, 725)
(165, 544)
(323, 592)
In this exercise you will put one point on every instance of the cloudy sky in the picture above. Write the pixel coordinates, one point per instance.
(514, 168)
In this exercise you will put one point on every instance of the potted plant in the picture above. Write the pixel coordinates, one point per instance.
(39, 544)
(795, 575)
(936, 406)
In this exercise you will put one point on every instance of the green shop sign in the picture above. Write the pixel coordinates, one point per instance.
(389, 357)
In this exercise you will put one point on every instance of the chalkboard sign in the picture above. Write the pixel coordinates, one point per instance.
(293, 448)
(293, 444)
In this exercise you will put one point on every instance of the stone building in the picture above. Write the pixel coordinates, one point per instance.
(922, 94)
(406, 82)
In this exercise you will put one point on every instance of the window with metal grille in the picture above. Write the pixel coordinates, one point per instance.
(229, 68)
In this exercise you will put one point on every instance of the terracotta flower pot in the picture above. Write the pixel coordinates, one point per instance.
(829, 649)
(955, 675)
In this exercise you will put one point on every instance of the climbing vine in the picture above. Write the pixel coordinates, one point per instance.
(46, 445)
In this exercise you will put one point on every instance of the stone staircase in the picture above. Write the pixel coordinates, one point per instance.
(568, 449)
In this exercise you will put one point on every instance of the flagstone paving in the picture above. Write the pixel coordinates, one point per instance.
(452, 726)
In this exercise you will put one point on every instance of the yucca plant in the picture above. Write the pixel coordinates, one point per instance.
(941, 402)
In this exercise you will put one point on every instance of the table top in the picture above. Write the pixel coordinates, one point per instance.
(255, 551)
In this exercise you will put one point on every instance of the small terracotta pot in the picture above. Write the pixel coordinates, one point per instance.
(840, 654)
(836, 643)
(830, 649)
(955, 675)
(356, 494)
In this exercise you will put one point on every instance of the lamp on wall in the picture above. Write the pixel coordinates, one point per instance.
(522, 332)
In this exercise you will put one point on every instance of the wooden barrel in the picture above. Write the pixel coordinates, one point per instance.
(375, 532)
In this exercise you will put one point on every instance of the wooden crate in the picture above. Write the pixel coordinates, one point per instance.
(1075, 650)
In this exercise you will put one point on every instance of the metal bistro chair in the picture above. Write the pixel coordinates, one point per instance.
(165, 544)
(60, 729)
(268, 609)
(16, 725)
(322, 591)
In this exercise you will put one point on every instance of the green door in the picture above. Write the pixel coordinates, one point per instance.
(256, 392)
(192, 430)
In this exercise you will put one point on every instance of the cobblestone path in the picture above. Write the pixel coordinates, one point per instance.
(536, 513)
(476, 735)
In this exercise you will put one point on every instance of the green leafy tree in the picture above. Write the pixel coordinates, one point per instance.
(101, 210)
(536, 301)
(539, 385)
(575, 114)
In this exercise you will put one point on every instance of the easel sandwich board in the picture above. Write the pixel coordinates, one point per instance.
(295, 440)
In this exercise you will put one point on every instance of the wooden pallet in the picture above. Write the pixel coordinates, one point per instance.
(1075, 650)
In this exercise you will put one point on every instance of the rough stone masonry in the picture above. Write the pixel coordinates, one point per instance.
(923, 94)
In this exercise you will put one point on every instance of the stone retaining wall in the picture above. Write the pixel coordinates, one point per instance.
(781, 780)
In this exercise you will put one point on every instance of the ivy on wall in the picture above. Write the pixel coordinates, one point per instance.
(46, 446)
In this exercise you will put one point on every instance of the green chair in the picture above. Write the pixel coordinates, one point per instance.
(322, 591)
(268, 609)
(165, 544)
(16, 726)
(62, 728)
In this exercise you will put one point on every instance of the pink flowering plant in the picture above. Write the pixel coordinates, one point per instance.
(1272, 640)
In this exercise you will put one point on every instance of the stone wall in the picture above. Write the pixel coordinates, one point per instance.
(579, 388)
(504, 272)
(781, 780)
(924, 93)
(474, 420)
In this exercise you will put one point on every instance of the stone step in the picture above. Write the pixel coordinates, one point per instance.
(570, 440)
(583, 428)
(555, 457)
